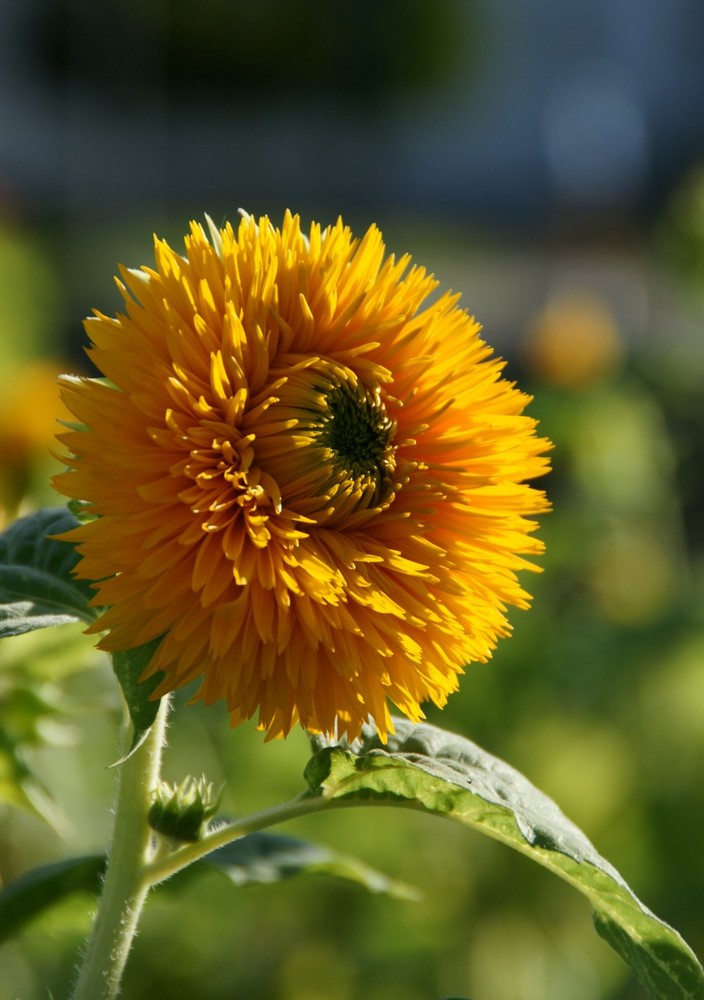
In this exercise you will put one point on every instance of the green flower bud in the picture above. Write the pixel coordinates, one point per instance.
(180, 812)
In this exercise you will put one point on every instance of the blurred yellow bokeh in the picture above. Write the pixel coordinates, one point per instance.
(29, 410)
(573, 342)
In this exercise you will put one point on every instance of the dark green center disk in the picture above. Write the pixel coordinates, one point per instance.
(359, 432)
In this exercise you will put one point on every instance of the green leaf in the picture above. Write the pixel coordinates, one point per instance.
(261, 858)
(425, 768)
(37, 890)
(129, 665)
(258, 859)
(37, 588)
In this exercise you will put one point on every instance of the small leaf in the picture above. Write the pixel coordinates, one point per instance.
(37, 589)
(129, 665)
(37, 890)
(261, 858)
(423, 767)
(81, 509)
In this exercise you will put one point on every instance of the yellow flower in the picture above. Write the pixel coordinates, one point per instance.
(309, 480)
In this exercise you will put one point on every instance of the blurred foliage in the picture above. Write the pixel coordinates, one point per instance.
(29, 399)
(598, 698)
(255, 48)
(681, 234)
(38, 711)
(28, 316)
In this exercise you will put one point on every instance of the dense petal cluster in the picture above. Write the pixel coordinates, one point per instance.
(309, 478)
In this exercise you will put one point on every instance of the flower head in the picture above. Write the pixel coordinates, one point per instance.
(311, 481)
(181, 812)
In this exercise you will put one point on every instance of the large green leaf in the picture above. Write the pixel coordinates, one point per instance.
(425, 768)
(28, 896)
(37, 588)
(259, 858)
(269, 857)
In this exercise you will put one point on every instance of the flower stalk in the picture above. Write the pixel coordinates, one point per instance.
(125, 887)
(162, 867)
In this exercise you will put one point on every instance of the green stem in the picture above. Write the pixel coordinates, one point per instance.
(163, 868)
(124, 888)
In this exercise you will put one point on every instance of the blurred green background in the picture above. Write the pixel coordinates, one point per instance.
(543, 161)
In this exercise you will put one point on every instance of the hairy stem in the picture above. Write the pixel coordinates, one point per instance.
(124, 887)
